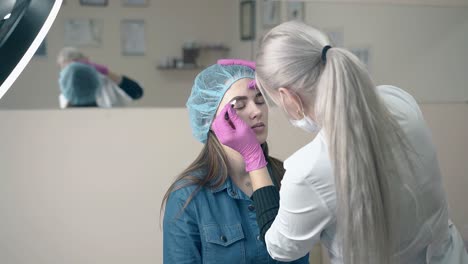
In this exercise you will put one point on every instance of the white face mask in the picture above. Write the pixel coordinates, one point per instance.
(305, 124)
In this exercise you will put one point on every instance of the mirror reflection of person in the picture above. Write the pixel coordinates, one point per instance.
(80, 80)
(209, 214)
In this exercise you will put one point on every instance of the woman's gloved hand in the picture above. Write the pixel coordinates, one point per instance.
(233, 132)
(99, 67)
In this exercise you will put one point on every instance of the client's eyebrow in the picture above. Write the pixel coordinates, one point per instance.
(238, 98)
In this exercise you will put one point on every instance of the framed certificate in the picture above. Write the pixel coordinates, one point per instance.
(296, 11)
(93, 2)
(271, 13)
(83, 32)
(133, 37)
(247, 20)
(135, 3)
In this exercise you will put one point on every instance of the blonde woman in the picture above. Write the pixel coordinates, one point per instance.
(368, 186)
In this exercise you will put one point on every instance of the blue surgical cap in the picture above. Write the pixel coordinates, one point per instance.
(208, 89)
(79, 83)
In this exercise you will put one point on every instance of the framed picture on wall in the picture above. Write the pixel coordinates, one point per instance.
(247, 20)
(336, 36)
(271, 13)
(133, 37)
(137, 3)
(83, 32)
(93, 2)
(296, 11)
(364, 54)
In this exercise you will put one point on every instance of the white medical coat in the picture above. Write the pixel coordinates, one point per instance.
(307, 212)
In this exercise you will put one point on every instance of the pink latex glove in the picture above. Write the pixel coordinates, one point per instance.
(252, 85)
(246, 63)
(99, 67)
(233, 132)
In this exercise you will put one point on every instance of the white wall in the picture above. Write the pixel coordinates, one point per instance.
(85, 186)
(449, 124)
(399, 2)
(419, 48)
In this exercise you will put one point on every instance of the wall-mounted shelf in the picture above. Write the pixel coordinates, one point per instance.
(215, 48)
(190, 57)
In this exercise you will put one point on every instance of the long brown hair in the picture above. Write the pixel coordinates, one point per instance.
(212, 164)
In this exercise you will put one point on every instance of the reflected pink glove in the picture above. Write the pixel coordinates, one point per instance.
(245, 63)
(233, 132)
(99, 67)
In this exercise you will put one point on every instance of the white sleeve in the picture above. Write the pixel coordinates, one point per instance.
(301, 218)
(62, 101)
(400, 103)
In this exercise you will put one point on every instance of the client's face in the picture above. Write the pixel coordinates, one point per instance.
(250, 106)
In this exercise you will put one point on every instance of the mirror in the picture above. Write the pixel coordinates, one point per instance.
(103, 33)
(156, 43)
(23, 26)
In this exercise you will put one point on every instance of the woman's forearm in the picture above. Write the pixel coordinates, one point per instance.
(260, 178)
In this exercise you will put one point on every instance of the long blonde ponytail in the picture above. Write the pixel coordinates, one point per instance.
(362, 135)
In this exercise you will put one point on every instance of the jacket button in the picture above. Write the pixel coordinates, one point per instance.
(251, 207)
(224, 239)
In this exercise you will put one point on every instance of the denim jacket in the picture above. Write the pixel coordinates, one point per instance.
(217, 226)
